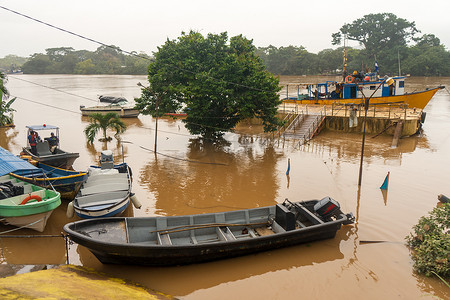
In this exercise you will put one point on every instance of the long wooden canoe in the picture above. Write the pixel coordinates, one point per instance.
(179, 240)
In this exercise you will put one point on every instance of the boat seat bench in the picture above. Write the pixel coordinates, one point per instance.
(163, 239)
(309, 215)
(102, 177)
(226, 235)
(97, 203)
(102, 188)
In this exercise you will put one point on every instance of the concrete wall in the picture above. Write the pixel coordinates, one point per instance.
(374, 125)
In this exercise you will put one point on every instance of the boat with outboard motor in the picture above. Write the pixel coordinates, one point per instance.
(41, 151)
(179, 240)
(66, 182)
(106, 192)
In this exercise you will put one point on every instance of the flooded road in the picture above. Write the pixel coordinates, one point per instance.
(243, 171)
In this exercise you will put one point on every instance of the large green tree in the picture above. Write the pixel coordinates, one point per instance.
(217, 83)
(377, 32)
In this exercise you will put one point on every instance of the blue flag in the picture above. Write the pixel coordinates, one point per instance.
(289, 166)
(376, 67)
(385, 184)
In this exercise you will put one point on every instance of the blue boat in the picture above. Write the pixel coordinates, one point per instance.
(106, 192)
(66, 182)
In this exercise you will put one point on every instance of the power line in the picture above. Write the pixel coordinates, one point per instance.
(202, 125)
(70, 32)
(52, 106)
(128, 52)
(48, 87)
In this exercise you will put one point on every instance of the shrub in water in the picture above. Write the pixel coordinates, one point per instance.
(431, 242)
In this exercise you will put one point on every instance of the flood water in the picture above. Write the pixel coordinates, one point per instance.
(244, 172)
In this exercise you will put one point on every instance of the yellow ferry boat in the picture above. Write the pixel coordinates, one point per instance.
(356, 88)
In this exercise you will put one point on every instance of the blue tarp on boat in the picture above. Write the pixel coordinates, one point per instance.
(10, 163)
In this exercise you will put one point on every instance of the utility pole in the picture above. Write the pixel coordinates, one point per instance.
(156, 125)
(389, 82)
(157, 113)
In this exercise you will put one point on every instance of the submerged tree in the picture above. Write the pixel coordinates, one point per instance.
(216, 83)
(102, 122)
(6, 116)
(431, 242)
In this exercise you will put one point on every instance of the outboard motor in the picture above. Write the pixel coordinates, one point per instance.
(106, 159)
(327, 207)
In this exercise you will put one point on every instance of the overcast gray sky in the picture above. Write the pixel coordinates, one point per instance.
(142, 25)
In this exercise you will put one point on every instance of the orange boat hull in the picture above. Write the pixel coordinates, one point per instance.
(414, 100)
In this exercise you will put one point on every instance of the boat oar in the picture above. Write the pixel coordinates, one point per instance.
(377, 242)
(442, 198)
(201, 226)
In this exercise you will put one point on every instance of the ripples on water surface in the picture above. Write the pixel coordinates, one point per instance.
(243, 173)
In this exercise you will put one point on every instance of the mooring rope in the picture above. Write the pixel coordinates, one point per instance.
(21, 227)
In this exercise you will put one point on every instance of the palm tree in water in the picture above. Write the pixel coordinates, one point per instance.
(6, 117)
(102, 122)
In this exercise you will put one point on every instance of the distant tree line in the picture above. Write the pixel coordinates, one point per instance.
(384, 38)
(104, 60)
(426, 58)
(12, 63)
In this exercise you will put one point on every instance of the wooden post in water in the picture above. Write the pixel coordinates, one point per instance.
(397, 133)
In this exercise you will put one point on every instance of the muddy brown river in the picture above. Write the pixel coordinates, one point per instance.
(244, 171)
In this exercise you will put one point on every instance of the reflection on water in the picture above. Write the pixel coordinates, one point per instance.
(196, 277)
(212, 179)
(190, 176)
(347, 146)
(432, 287)
(7, 137)
(33, 251)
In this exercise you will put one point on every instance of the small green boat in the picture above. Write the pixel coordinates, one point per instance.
(26, 205)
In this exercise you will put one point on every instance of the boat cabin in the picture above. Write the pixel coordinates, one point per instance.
(45, 144)
(353, 88)
(367, 88)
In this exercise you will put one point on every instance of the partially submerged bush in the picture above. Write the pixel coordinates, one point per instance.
(431, 242)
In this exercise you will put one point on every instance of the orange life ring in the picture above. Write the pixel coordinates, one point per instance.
(35, 197)
(349, 79)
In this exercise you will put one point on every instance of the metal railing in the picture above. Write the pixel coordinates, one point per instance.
(313, 127)
(297, 121)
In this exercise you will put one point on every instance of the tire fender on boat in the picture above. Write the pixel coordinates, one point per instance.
(70, 210)
(31, 197)
(135, 201)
